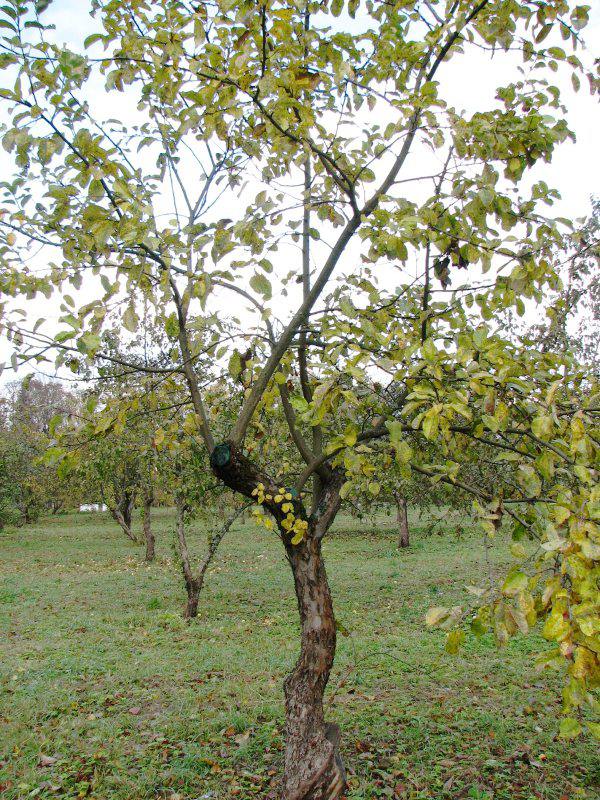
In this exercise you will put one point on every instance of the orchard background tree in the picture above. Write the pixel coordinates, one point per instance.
(193, 487)
(31, 411)
(387, 484)
(258, 205)
(115, 457)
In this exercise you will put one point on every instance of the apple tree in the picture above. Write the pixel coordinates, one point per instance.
(287, 189)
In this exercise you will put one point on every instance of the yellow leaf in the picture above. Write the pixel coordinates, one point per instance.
(454, 641)
(569, 728)
(435, 615)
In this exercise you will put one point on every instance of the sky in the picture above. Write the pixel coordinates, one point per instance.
(469, 84)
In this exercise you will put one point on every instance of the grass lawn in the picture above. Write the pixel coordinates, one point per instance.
(108, 694)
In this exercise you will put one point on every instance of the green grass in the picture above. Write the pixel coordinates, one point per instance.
(107, 693)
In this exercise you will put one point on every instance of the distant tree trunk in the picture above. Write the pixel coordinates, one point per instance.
(28, 510)
(194, 583)
(127, 503)
(126, 528)
(402, 516)
(122, 511)
(147, 525)
(191, 607)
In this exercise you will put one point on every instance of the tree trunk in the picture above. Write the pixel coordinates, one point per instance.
(122, 511)
(402, 515)
(193, 593)
(147, 526)
(28, 513)
(193, 585)
(313, 766)
(126, 528)
(127, 503)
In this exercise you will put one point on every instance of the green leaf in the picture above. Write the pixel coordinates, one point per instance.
(130, 319)
(431, 424)
(94, 37)
(594, 729)
(516, 581)
(569, 728)
(556, 627)
(346, 307)
(403, 449)
(235, 365)
(542, 426)
(518, 550)
(54, 423)
(262, 285)
(172, 326)
(89, 343)
(346, 489)
(543, 32)
(529, 480)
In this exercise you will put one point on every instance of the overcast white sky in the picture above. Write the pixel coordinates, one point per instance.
(469, 84)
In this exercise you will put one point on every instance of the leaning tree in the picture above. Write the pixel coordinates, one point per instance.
(290, 191)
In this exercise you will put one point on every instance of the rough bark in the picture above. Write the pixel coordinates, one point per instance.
(313, 767)
(242, 475)
(402, 516)
(147, 525)
(191, 607)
